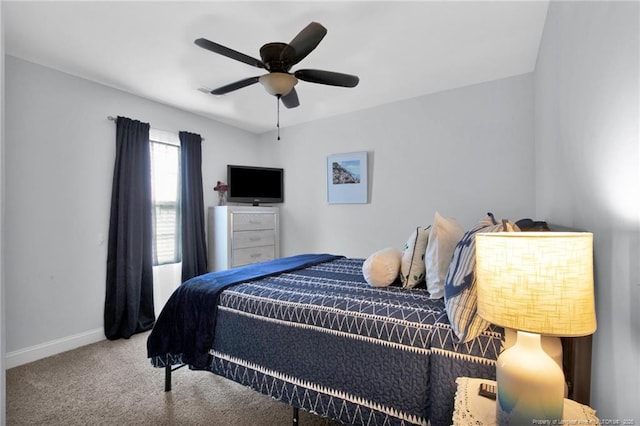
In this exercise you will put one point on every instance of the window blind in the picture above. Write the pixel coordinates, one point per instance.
(165, 189)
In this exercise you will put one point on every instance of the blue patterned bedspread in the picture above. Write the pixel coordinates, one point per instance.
(185, 329)
(323, 340)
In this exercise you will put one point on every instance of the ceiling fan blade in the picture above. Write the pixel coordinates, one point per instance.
(290, 100)
(327, 77)
(303, 43)
(229, 53)
(235, 86)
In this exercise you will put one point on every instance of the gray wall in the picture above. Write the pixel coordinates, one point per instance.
(588, 173)
(462, 152)
(2, 204)
(60, 150)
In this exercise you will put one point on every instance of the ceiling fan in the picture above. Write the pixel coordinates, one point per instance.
(277, 59)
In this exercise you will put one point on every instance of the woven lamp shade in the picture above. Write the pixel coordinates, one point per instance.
(540, 282)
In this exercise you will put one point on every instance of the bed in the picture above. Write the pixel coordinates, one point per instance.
(309, 330)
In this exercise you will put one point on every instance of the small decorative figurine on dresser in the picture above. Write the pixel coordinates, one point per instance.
(222, 191)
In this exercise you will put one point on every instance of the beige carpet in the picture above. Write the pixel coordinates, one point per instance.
(113, 383)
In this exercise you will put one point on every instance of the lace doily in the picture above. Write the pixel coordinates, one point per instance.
(473, 409)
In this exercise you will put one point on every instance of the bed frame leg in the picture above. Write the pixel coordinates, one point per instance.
(167, 375)
(295, 416)
(167, 378)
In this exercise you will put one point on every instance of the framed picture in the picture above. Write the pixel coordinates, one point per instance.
(347, 178)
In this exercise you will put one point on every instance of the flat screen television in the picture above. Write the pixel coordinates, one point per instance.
(255, 185)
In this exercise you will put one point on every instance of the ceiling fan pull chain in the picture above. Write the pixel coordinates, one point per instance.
(278, 117)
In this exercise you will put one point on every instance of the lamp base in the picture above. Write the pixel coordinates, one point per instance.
(530, 383)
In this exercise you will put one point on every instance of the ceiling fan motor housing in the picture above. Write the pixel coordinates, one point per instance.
(276, 58)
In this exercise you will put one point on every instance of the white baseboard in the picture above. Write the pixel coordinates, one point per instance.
(53, 347)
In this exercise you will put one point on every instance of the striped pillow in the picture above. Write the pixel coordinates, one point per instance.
(460, 293)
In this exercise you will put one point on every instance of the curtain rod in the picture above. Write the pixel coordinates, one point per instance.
(112, 118)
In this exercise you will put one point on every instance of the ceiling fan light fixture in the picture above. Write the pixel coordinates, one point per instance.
(278, 83)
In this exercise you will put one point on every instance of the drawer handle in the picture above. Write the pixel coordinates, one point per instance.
(256, 255)
(254, 239)
(255, 222)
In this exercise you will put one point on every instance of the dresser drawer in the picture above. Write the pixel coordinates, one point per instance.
(244, 239)
(253, 221)
(245, 256)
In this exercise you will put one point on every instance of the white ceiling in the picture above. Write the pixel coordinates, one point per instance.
(398, 49)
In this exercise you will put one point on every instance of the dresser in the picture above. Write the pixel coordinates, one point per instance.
(240, 235)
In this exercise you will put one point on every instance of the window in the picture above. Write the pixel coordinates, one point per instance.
(165, 190)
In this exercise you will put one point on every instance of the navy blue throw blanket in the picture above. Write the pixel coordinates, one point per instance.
(185, 328)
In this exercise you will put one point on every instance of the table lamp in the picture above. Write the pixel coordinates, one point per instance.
(536, 283)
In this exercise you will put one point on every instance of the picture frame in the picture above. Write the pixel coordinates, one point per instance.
(347, 178)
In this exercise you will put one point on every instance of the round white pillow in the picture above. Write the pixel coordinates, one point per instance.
(382, 267)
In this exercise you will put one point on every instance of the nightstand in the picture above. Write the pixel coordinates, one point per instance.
(473, 409)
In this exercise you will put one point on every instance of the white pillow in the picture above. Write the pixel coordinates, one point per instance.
(412, 268)
(382, 267)
(445, 234)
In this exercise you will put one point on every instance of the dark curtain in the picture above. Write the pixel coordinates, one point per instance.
(194, 249)
(129, 294)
